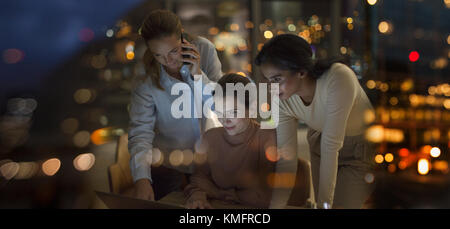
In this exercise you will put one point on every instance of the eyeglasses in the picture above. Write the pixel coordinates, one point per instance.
(230, 114)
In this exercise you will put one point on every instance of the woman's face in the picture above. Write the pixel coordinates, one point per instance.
(228, 114)
(289, 83)
(167, 51)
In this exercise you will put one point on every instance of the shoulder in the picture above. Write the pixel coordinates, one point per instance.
(143, 84)
(213, 132)
(340, 75)
(290, 105)
(342, 70)
(203, 44)
(267, 133)
(267, 138)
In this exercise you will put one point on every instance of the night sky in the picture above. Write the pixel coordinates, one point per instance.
(36, 36)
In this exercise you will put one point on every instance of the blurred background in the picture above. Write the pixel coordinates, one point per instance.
(66, 69)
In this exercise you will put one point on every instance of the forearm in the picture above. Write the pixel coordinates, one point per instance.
(327, 181)
(254, 197)
(286, 166)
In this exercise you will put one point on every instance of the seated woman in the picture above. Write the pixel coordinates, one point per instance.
(236, 168)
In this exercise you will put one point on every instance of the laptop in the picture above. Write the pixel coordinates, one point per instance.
(115, 201)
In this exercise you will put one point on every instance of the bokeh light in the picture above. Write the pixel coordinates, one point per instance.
(9, 170)
(402, 165)
(51, 166)
(379, 158)
(372, 2)
(130, 55)
(385, 27)
(249, 25)
(26, 170)
(369, 178)
(234, 27)
(268, 34)
(370, 84)
(200, 158)
(369, 116)
(265, 107)
(99, 61)
(423, 166)
(176, 158)
(86, 35)
(81, 138)
(392, 168)
(82, 96)
(213, 31)
(393, 101)
(375, 133)
(13, 56)
(188, 157)
(157, 157)
(272, 154)
(84, 162)
(292, 27)
(441, 166)
(414, 56)
(426, 149)
(403, 152)
(435, 152)
(350, 26)
(21, 106)
(101, 136)
(389, 157)
(109, 33)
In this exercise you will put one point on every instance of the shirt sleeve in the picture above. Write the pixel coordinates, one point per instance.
(286, 165)
(213, 65)
(141, 131)
(341, 94)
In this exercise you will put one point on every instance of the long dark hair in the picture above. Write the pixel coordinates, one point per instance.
(293, 53)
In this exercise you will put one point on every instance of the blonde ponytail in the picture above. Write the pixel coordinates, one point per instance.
(152, 68)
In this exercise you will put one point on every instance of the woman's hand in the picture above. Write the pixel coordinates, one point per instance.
(143, 190)
(198, 200)
(229, 195)
(192, 57)
(200, 204)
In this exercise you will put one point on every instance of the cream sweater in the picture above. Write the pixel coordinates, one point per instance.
(337, 110)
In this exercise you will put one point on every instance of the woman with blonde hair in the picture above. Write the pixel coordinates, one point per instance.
(172, 57)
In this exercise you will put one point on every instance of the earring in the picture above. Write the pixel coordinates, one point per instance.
(302, 75)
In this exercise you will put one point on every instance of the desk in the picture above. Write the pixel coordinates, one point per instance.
(178, 198)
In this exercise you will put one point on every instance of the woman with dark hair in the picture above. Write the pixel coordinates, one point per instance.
(172, 57)
(236, 167)
(327, 96)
